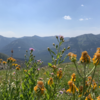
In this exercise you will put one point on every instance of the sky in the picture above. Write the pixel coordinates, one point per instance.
(69, 18)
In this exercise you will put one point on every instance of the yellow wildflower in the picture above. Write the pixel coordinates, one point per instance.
(72, 56)
(85, 58)
(88, 97)
(59, 74)
(25, 70)
(50, 81)
(98, 98)
(72, 87)
(17, 68)
(40, 86)
(73, 77)
(4, 62)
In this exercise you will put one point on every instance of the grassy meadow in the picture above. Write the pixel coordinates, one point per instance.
(77, 80)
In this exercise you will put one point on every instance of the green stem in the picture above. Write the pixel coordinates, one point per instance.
(84, 78)
(77, 70)
(92, 78)
(90, 71)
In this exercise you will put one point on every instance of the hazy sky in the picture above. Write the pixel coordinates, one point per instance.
(69, 18)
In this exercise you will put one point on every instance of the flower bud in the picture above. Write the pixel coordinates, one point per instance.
(48, 49)
(57, 37)
(53, 44)
(62, 51)
(68, 47)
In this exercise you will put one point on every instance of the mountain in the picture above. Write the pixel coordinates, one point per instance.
(20, 45)
(3, 56)
(86, 42)
(5, 41)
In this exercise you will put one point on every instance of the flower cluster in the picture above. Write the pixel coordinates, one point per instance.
(85, 58)
(72, 56)
(10, 59)
(96, 57)
(39, 88)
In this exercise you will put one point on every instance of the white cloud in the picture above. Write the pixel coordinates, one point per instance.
(82, 5)
(81, 19)
(67, 17)
(8, 34)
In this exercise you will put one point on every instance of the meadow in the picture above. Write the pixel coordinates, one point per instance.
(77, 80)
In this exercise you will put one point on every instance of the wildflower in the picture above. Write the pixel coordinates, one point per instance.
(85, 58)
(44, 73)
(73, 77)
(68, 47)
(40, 87)
(88, 97)
(61, 92)
(98, 98)
(13, 64)
(72, 56)
(10, 59)
(59, 74)
(98, 50)
(50, 81)
(60, 68)
(48, 49)
(52, 73)
(72, 87)
(96, 59)
(14, 73)
(53, 44)
(25, 70)
(54, 67)
(61, 37)
(39, 61)
(17, 68)
(94, 85)
(4, 62)
(31, 49)
(41, 78)
(38, 69)
(0, 60)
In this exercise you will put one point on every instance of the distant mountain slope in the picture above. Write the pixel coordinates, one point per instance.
(5, 41)
(20, 45)
(3, 56)
(86, 42)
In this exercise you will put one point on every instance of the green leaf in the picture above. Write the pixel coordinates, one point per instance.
(49, 64)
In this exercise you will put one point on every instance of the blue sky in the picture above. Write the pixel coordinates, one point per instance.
(69, 18)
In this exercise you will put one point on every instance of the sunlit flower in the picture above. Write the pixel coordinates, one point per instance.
(25, 70)
(39, 86)
(96, 59)
(73, 77)
(98, 98)
(17, 68)
(50, 81)
(13, 64)
(88, 97)
(72, 87)
(59, 74)
(4, 62)
(85, 58)
(10, 59)
(72, 56)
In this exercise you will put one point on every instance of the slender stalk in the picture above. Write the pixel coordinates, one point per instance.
(77, 70)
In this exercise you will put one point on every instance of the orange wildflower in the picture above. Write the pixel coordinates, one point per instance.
(59, 74)
(50, 81)
(39, 86)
